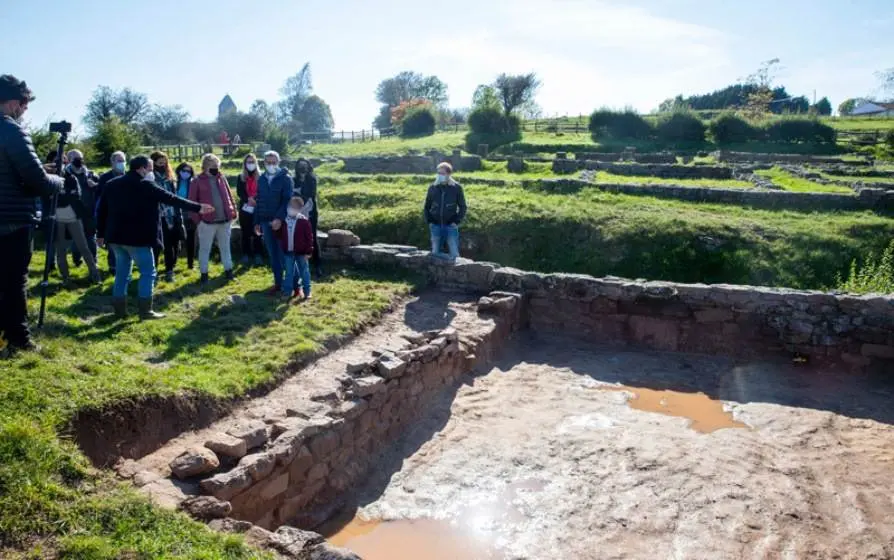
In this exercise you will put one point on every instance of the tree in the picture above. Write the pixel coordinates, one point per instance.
(411, 85)
(128, 105)
(886, 79)
(247, 125)
(516, 91)
(847, 106)
(485, 97)
(765, 75)
(297, 89)
(823, 107)
(383, 119)
(112, 135)
(165, 123)
(264, 112)
(315, 115)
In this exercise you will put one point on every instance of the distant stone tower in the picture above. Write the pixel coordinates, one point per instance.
(225, 106)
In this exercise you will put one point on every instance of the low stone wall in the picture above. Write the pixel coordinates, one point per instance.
(837, 331)
(867, 199)
(299, 469)
(659, 170)
(610, 157)
(748, 157)
(411, 164)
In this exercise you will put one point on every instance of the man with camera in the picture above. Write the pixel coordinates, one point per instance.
(22, 180)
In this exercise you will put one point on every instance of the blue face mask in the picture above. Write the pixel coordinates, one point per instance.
(119, 166)
(185, 175)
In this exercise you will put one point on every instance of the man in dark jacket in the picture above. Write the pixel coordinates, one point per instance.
(87, 185)
(23, 179)
(119, 166)
(445, 208)
(128, 220)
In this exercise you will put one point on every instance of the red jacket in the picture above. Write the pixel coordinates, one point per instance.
(302, 236)
(200, 191)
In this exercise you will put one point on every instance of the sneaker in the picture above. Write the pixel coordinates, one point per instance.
(298, 294)
(203, 280)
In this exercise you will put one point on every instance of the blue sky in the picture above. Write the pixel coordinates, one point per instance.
(588, 53)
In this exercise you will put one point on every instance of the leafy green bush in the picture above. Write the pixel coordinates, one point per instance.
(889, 139)
(488, 125)
(730, 128)
(419, 121)
(113, 135)
(680, 126)
(620, 125)
(875, 276)
(799, 129)
(278, 140)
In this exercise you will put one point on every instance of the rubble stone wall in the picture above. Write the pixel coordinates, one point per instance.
(840, 331)
(410, 164)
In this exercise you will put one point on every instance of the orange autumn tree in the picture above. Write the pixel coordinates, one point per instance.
(398, 113)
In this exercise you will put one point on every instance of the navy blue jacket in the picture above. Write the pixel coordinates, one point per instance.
(273, 197)
(128, 210)
(22, 177)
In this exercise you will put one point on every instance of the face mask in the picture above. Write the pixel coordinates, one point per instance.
(185, 175)
(272, 169)
(302, 169)
(150, 176)
(293, 212)
(214, 171)
(250, 167)
(77, 162)
(17, 115)
(441, 179)
(118, 166)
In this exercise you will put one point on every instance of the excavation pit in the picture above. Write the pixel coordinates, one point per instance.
(565, 417)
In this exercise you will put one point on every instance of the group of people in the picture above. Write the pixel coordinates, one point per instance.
(142, 209)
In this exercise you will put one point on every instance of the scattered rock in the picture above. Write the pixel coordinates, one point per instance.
(339, 238)
(226, 485)
(292, 541)
(253, 433)
(193, 462)
(366, 386)
(259, 465)
(226, 445)
(353, 367)
(143, 478)
(391, 367)
(206, 508)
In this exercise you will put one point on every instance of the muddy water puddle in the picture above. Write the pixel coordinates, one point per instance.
(469, 534)
(705, 414)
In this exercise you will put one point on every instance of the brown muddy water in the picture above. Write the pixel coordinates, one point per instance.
(567, 451)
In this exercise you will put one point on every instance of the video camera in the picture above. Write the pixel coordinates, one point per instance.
(62, 127)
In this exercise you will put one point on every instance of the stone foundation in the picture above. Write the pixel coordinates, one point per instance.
(659, 170)
(748, 157)
(411, 164)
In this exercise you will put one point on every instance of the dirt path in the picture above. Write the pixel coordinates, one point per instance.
(537, 459)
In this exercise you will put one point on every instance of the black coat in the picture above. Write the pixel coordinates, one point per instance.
(445, 204)
(71, 195)
(22, 176)
(128, 210)
(307, 190)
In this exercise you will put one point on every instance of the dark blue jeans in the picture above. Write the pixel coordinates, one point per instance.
(274, 250)
(439, 234)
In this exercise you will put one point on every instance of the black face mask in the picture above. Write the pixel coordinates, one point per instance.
(214, 171)
(302, 169)
(77, 162)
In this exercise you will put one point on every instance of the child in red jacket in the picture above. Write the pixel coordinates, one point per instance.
(297, 242)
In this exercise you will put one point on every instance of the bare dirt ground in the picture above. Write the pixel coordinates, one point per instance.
(539, 459)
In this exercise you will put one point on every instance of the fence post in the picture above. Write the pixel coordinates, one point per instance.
(363, 136)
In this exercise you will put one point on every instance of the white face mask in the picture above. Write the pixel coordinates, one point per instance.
(250, 167)
(272, 169)
(293, 212)
(149, 177)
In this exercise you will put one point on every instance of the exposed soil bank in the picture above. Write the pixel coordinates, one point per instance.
(538, 460)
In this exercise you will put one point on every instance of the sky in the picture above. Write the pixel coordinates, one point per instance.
(587, 53)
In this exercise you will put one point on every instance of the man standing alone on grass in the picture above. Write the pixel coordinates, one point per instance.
(22, 180)
(445, 208)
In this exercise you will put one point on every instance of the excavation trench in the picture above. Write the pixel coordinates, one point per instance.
(458, 430)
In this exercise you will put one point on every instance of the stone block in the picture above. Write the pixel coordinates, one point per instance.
(275, 486)
(323, 445)
(355, 366)
(294, 543)
(253, 433)
(258, 465)
(391, 367)
(193, 462)
(714, 315)
(143, 478)
(660, 334)
(226, 445)
(206, 508)
(317, 473)
(350, 409)
(226, 485)
(369, 385)
(302, 463)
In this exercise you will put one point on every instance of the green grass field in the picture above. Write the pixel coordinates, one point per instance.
(794, 183)
(610, 178)
(636, 237)
(52, 504)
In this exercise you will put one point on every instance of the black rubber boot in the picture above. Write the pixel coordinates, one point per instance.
(146, 312)
(120, 307)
